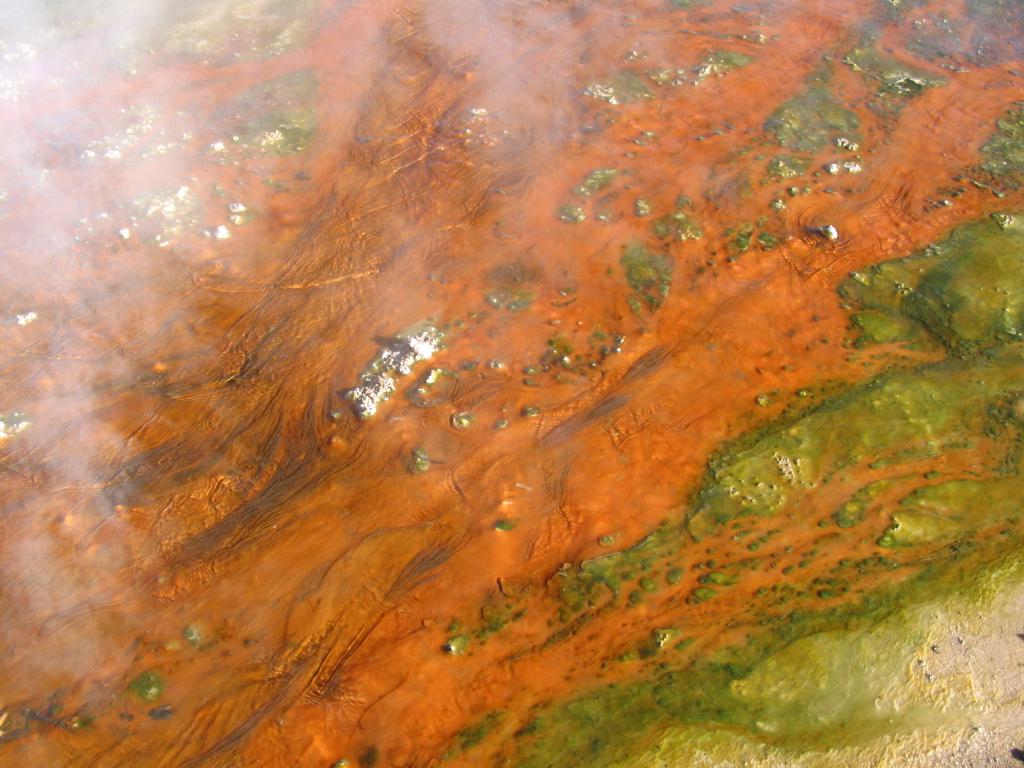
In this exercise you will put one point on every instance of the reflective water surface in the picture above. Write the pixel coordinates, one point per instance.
(511, 382)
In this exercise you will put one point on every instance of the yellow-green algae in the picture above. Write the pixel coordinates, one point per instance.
(869, 696)
(649, 275)
(786, 167)
(896, 81)
(817, 683)
(809, 680)
(890, 423)
(965, 291)
(149, 686)
(720, 62)
(276, 118)
(1004, 151)
(596, 181)
(810, 120)
(229, 30)
(678, 225)
(624, 87)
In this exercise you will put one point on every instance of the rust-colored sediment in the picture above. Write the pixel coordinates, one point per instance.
(191, 463)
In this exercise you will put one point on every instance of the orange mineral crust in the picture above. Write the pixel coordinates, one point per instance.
(335, 336)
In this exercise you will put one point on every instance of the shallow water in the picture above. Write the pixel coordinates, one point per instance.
(500, 383)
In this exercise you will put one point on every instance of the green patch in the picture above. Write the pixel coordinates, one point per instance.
(510, 283)
(701, 595)
(896, 81)
(276, 118)
(222, 34)
(571, 214)
(495, 614)
(965, 291)
(281, 133)
(787, 167)
(814, 681)
(469, 737)
(656, 641)
(594, 581)
(909, 529)
(718, 578)
(648, 274)
(850, 457)
(192, 635)
(419, 461)
(149, 686)
(1005, 220)
(512, 299)
(851, 512)
(677, 226)
(972, 298)
(596, 181)
(810, 121)
(559, 351)
(884, 328)
(718, 63)
(892, 420)
(951, 511)
(739, 239)
(1004, 151)
(598, 582)
(624, 87)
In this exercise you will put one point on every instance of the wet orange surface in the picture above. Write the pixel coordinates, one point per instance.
(195, 495)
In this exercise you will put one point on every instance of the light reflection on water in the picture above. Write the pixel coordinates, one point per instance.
(336, 336)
